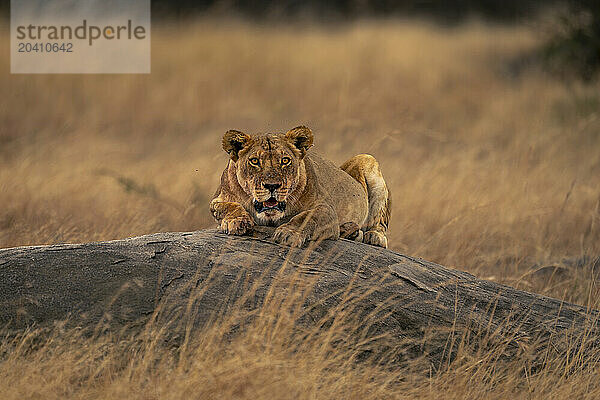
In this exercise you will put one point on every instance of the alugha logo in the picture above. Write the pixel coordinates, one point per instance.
(83, 31)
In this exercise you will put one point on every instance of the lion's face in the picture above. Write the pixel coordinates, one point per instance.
(268, 167)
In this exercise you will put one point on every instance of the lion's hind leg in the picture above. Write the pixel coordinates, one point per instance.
(365, 169)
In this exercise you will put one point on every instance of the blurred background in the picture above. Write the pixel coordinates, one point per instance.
(484, 115)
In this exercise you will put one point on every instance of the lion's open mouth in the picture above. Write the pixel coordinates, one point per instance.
(270, 204)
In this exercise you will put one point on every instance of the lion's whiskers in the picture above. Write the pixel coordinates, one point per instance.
(261, 194)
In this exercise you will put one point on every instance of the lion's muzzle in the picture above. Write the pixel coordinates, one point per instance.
(269, 204)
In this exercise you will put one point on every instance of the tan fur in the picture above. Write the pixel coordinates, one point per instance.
(365, 169)
(272, 179)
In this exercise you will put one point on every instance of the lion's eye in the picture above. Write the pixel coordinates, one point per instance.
(286, 160)
(254, 161)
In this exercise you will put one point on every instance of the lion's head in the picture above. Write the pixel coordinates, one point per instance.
(269, 167)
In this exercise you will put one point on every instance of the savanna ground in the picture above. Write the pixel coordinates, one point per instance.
(493, 164)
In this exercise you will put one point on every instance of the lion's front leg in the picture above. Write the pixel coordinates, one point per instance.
(233, 219)
(316, 224)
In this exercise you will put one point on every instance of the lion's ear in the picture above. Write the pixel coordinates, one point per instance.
(233, 142)
(301, 137)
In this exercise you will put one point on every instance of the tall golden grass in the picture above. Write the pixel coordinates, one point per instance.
(494, 169)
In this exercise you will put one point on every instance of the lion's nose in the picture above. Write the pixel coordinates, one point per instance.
(271, 187)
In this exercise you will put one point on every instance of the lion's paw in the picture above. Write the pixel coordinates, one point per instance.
(349, 230)
(237, 226)
(375, 238)
(289, 236)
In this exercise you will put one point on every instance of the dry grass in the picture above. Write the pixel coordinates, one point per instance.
(492, 171)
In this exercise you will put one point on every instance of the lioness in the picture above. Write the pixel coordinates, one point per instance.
(272, 179)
